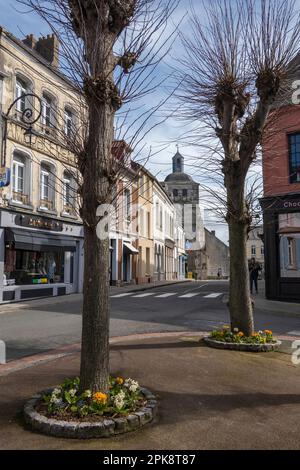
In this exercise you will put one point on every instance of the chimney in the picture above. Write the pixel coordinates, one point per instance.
(48, 47)
(30, 41)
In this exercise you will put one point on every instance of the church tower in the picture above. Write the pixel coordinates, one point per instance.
(178, 163)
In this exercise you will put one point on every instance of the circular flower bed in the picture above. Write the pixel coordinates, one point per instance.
(67, 411)
(261, 341)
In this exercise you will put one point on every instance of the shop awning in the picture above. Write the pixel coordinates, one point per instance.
(130, 248)
(36, 241)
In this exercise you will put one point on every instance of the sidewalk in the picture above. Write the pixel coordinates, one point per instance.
(4, 308)
(276, 307)
(208, 398)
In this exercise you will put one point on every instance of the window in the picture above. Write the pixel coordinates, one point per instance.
(127, 205)
(18, 175)
(184, 192)
(21, 89)
(291, 252)
(148, 225)
(47, 186)
(253, 250)
(68, 191)
(141, 223)
(69, 122)
(20, 179)
(157, 214)
(33, 267)
(48, 111)
(175, 192)
(148, 261)
(262, 250)
(294, 157)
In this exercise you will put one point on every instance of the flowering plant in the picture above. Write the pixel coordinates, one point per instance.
(227, 336)
(123, 397)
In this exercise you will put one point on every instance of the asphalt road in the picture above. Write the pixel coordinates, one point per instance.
(181, 307)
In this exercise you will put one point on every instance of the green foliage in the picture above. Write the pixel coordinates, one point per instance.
(227, 336)
(124, 396)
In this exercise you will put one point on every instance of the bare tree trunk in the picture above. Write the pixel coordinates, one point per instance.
(94, 369)
(240, 304)
(94, 372)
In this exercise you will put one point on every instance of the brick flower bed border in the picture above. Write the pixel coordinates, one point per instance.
(108, 427)
(266, 347)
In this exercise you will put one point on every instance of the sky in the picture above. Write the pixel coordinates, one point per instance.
(15, 19)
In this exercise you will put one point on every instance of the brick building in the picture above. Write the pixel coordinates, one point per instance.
(281, 202)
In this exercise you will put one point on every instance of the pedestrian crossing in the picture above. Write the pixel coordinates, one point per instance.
(167, 295)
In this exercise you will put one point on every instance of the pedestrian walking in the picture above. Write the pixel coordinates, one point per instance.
(254, 268)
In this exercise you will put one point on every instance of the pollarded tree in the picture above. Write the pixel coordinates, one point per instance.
(110, 50)
(235, 63)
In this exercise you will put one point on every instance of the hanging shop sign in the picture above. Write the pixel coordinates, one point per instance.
(42, 223)
(4, 177)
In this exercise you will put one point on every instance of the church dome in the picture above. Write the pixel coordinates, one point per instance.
(178, 177)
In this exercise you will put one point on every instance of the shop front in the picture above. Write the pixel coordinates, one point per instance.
(282, 247)
(39, 257)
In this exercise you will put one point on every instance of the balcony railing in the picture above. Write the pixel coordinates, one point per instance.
(46, 204)
(20, 197)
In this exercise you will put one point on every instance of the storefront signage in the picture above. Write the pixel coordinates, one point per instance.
(4, 177)
(38, 222)
(276, 203)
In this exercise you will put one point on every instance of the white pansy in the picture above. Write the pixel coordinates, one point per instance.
(87, 393)
(55, 400)
(236, 330)
(56, 391)
(132, 385)
(119, 400)
(260, 332)
(72, 392)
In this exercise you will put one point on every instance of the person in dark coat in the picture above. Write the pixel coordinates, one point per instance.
(254, 268)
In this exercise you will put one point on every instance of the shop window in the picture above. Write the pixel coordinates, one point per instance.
(20, 178)
(294, 157)
(47, 186)
(33, 267)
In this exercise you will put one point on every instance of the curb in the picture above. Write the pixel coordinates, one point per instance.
(245, 347)
(109, 427)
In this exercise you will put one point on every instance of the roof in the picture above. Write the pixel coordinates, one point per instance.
(178, 177)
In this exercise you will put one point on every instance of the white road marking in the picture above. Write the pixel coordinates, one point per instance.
(212, 296)
(164, 296)
(120, 295)
(143, 295)
(187, 296)
(294, 333)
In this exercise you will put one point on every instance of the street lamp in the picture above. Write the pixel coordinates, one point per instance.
(27, 117)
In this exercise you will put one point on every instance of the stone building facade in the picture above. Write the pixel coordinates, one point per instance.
(41, 236)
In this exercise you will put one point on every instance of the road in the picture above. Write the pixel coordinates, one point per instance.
(182, 307)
